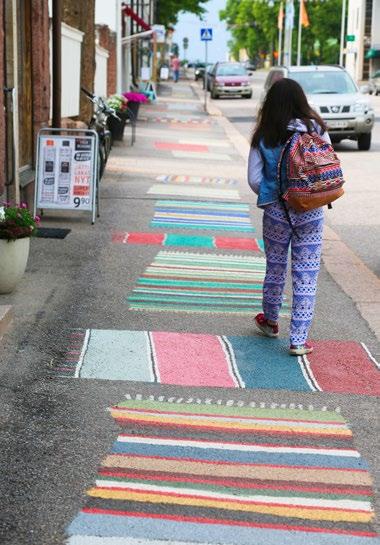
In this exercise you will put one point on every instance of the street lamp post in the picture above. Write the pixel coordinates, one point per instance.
(119, 48)
(342, 32)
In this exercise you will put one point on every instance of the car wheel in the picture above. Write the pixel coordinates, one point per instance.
(248, 96)
(364, 141)
(214, 95)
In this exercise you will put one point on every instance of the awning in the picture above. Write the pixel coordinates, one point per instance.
(373, 53)
(133, 15)
(134, 37)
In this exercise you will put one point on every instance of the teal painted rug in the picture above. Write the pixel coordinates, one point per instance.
(191, 282)
(216, 216)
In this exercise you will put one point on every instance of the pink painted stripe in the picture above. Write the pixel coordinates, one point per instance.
(344, 366)
(120, 236)
(192, 360)
(232, 243)
(146, 238)
(180, 147)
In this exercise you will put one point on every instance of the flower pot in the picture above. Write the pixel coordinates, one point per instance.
(116, 127)
(13, 259)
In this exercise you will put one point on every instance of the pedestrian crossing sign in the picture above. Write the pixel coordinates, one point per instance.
(206, 34)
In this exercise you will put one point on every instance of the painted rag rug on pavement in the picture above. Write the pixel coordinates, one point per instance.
(185, 472)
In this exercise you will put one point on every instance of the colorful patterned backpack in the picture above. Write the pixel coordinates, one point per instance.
(312, 176)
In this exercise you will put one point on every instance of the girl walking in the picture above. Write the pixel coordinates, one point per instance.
(284, 112)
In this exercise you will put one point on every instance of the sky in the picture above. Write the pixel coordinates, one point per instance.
(188, 26)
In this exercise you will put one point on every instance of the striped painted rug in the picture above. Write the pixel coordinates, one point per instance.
(178, 119)
(194, 191)
(228, 361)
(191, 282)
(216, 216)
(184, 473)
(195, 180)
(194, 241)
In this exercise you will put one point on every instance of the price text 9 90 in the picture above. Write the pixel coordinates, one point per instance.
(80, 201)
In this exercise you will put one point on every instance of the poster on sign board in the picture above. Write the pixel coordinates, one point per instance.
(66, 172)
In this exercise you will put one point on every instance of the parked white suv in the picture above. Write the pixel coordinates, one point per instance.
(335, 96)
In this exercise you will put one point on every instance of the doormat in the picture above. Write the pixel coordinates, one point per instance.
(228, 361)
(194, 241)
(194, 191)
(201, 473)
(191, 282)
(215, 216)
(52, 232)
(194, 180)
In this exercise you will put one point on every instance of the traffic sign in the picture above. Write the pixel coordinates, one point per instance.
(350, 37)
(206, 34)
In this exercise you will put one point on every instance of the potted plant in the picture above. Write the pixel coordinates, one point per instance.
(134, 101)
(119, 103)
(17, 225)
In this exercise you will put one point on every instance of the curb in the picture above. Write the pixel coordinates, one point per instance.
(6, 318)
(344, 266)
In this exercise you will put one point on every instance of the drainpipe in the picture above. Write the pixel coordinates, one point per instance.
(57, 62)
(119, 49)
(15, 110)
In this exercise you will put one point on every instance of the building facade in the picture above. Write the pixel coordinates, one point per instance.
(88, 58)
(363, 32)
(24, 72)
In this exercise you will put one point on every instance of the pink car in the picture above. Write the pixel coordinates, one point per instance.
(229, 78)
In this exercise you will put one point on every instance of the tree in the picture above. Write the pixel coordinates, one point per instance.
(167, 11)
(253, 25)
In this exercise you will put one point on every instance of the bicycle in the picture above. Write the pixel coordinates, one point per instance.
(99, 123)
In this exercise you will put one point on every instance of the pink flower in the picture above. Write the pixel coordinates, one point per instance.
(23, 205)
(37, 219)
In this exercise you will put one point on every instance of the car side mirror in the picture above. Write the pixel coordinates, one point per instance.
(364, 89)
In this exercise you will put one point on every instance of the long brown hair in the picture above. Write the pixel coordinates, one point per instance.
(284, 101)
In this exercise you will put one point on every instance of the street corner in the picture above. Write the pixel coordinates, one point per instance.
(222, 361)
(227, 471)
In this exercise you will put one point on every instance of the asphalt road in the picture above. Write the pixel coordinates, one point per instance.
(356, 218)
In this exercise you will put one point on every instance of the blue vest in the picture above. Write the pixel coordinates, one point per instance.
(269, 190)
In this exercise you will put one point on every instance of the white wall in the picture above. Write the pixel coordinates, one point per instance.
(71, 69)
(101, 71)
(355, 50)
(376, 24)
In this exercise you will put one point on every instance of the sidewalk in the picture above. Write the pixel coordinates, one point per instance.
(225, 438)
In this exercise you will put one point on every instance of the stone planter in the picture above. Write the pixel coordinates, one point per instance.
(13, 259)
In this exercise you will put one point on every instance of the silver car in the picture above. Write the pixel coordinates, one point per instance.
(375, 83)
(335, 96)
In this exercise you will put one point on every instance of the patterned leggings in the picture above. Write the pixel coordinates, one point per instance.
(306, 258)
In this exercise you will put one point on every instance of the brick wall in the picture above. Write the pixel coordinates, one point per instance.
(107, 39)
(81, 15)
(2, 115)
(40, 65)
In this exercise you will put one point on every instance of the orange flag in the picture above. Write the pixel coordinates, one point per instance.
(280, 21)
(303, 14)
